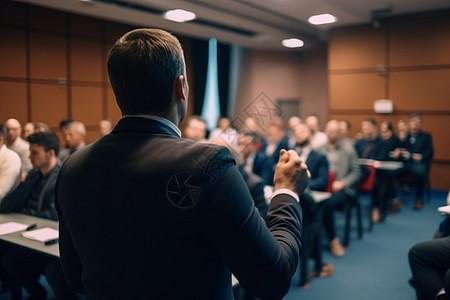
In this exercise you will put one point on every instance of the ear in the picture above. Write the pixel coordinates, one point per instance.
(180, 89)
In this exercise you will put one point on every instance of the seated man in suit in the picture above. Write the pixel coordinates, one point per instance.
(74, 134)
(346, 185)
(275, 139)
(166, 217)
(417, 153)
(253, 160)
(318, 167)
(36, 197)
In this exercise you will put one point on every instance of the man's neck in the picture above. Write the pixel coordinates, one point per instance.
(46, 169)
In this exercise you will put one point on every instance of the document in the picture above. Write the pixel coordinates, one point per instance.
(11, 227)
(42, 234)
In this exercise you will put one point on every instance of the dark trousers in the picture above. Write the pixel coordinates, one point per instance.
(429, 262)
(419, 172)
(336, 201)
(56, 280)
(383, 191)
(23, 268)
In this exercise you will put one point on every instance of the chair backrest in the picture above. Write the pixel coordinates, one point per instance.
(367, 184)
(331, 178)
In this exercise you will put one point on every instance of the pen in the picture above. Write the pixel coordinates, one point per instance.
(32, 226)
(51, 242)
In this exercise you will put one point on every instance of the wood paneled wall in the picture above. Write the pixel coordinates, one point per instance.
(53, 67)
(415, 52)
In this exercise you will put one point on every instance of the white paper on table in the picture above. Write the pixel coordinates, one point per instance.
(10, 227)
(42, 234)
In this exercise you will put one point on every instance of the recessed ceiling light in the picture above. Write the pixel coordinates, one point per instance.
(292, 43)
(179, 15)
(322, 19)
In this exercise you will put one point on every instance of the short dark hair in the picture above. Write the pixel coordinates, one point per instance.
(48, 140)
(415, 116)
(371, 120)
(142, 66)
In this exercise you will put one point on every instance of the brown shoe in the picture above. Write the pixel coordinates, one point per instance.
(418, 204)
(327, 270)
(396, 205)
(336, 247)
(375, 215)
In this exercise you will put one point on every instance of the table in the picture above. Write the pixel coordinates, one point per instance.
(16, 238)
(319, 196)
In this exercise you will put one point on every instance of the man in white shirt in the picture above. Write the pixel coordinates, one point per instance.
(18, 145)
(10, 165)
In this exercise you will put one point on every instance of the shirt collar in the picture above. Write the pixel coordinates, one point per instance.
(158, 119)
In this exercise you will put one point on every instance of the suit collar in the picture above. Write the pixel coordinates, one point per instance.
(144, 125)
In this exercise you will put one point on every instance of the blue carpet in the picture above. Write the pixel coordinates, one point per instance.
(375, 267)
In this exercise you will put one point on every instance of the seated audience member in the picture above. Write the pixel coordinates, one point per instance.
(345, 187)
(195, 129)
(41, 127)
(62, 126)
(160, 239)
(292, 123)
(36, 197)
(105, 127)
(312, 212)
(28, 129)
(17, 144)
(371, 146)
(383, 192)
(344, 135)
(224, 131)
(417, 153)
(74, 134)
(255, 161)
(318, 138)
(430, 266)
(402, 130)
(276, 139)
(10, 166)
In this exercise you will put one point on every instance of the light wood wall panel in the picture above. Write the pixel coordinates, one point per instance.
(13, 59)
(427, 41)
(357, 48)
(86, 104)
(48, 56)
(13, 101)
(86, 59)
(412, 89)
(48, 103)
(355, 91)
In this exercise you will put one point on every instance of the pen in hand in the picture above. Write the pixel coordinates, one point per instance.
(32, 226)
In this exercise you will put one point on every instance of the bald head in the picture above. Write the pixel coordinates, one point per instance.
(302, 135)
(13, 131)
(313, 123)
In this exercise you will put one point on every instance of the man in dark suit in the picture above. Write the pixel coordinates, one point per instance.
(255, 161)
(312, 211)
(417, 153)
(36, 197)
(145, 214)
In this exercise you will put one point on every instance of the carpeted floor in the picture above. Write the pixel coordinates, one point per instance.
(376, 267)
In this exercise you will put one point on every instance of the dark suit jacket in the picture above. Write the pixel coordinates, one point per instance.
(17, 201)
(422, 144)
(283, 144)
(318, 167)
(145, 214)
(256, 185)
(263, 167)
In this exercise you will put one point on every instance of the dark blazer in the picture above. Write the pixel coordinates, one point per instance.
(145, 214)
(263, 166)
(17, 201)
(283, 144)
(421, 143)
(255, 185)
(318, 167)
